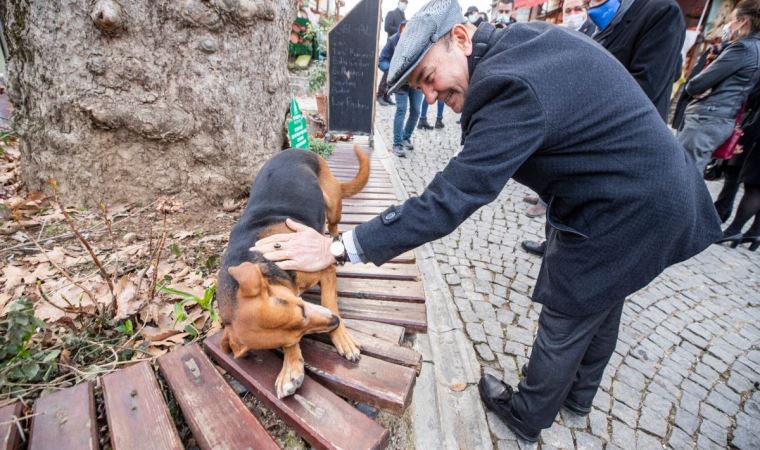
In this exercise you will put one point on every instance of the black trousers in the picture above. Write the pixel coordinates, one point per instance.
(382, 89)
(566, 364)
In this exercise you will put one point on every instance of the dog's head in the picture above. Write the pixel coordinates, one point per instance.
(271, 316)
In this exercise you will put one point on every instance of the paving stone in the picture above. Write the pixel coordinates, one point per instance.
(744, 439)
(598, 424)
(704, 443)
(507, 444)
(483, 310)
(499, 428)
(485, 352)
(686, 421)
(728, 406)
(623, 412)
(475, 332)
(520, 335)
(585, 441)
(602, 400)
(647, 442)
(708, 412)
(626, 394)
(654, 423)
(496, 343)
(622, 434)
(558, 437)
(715, 432)
(572, 420)
(680, 440)
(493, 328)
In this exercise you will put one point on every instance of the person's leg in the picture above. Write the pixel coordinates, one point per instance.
(382, 89)
(423, 124)
(724, 205)
(749, 206)
(439, 115)
(398, 120)
(589, 375)
(415, 101)
(561, 344)
(701, 135)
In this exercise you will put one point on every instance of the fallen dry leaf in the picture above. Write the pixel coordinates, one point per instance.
(155, 334)
(459, 387)
(13, 276)
(128, 300)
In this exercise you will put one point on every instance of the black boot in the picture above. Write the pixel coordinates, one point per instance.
(439, 123)
(498, 398)
(423, 124)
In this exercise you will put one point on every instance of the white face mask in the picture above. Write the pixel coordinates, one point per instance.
(401, 7)
(574, 21)
(725, 33)
(502, 18)
(473, 18)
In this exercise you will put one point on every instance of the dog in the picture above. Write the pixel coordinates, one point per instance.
(259, 303)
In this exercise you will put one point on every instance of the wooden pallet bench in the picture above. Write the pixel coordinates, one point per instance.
(380, 305)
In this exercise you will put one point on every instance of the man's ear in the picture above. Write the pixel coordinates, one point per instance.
(460, 37)
(249, 277)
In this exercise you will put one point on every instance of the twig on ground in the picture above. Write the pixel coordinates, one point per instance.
(83, 241)
(161, 243)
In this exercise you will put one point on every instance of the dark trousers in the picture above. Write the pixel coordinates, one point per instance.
(724, 204)
(566, 365)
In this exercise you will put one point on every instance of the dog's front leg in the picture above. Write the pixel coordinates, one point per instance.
(291, 375)
(341, 338)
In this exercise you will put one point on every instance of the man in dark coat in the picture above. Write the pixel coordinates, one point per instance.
(646, 36)
(548, 107)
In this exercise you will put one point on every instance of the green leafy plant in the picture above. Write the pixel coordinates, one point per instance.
(317, 77)
(179, 308)
(322, 148)
(22, 358)
(126, 327)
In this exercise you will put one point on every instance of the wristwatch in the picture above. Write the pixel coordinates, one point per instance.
(338, 250)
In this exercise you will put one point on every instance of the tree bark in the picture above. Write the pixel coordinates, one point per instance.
(126, 100)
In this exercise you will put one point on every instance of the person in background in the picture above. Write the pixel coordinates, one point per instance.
(721, 89)
(406, 99)
(503, 13)
(424, 125)
(646, 36)
(706, 58)
(392, 22)
(575, 17)
(472, 16)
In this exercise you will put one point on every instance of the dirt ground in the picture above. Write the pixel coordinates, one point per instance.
(139, 290)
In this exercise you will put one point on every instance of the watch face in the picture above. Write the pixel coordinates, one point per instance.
(337, 248)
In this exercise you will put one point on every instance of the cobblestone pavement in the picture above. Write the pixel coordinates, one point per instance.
(686, 368)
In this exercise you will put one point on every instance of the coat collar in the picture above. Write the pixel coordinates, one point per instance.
(481, 42)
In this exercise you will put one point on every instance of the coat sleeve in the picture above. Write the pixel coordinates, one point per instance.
(658, 52)
(507, 127)
(391, 23)
(733, 58)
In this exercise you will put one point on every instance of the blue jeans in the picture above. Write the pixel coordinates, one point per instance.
(413, 98)
(438, 116)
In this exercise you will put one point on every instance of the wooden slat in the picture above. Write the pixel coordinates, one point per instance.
(65, 420)
(385, 331)
(370, 380)
(353, 209)
(380, 349)
(373, 196)
(138, 418)
(411, 316)
(387, 271)
(213, 411)
(356, 218)
(351, 201)
(10, 438)
(396, 290)
(322, 418)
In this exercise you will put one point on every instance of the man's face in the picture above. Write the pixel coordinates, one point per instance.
(504, 8)
(442, 74)
(574, 7)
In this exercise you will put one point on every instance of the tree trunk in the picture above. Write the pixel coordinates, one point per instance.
(127, 100)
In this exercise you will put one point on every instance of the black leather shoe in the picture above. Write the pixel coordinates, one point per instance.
(389, 100)
(734, 239)
(424, 125)
(754, 242)
(534, 247)
(439, 123)
(497, 396)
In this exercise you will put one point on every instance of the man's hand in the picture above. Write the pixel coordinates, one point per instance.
(305, 249)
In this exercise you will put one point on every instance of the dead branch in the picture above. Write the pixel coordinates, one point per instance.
(83, 241)
(161, 243)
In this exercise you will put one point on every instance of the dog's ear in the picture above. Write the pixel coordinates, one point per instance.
(249, 277)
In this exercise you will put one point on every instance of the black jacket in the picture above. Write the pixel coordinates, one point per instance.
(548, 107)
(588, 28)
(393, 20)
(648, 41)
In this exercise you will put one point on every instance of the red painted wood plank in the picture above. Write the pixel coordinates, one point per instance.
(138, 418)
(394, 334)
(370, 380)
(213, 411)
(65, 420)
(322, 418)
(411, 316)
(380, 349)
(10, 438)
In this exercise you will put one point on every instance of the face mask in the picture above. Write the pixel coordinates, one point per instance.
(473, 18)
(725, 33)
(401, 7)
(502, 18)
(574, 21)
(603, 14)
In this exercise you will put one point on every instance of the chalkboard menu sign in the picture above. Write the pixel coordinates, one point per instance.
(351, 61)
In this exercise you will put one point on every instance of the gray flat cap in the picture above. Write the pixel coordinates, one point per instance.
(434, 20)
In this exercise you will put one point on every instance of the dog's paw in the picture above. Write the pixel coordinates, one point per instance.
(289, 380)
(345, 343)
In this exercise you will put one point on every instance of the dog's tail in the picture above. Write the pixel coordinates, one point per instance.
(350, 188)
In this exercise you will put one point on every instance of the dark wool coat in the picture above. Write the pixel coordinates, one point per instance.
(648, 42)
(550, 108)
